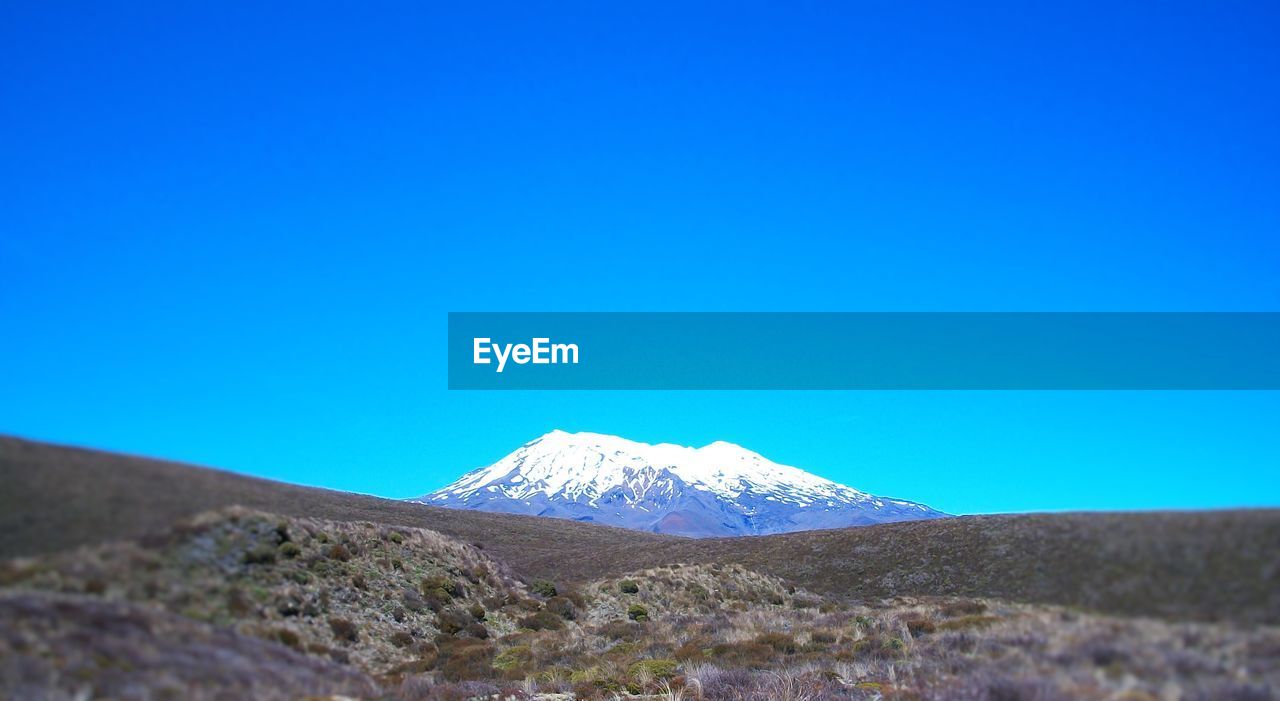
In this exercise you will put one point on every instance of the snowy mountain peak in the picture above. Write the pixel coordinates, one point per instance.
(718, 489)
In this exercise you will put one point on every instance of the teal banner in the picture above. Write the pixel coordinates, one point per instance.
(964, 351)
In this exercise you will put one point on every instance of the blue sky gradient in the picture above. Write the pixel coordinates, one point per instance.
(230, 234)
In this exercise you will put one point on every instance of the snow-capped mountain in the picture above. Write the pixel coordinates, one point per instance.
(719, 489)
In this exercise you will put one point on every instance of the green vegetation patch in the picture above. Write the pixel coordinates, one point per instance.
(653, 669)
(542, 620)
(544, 587)
(513, 658)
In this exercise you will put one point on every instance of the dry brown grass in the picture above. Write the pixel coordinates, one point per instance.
(350, 594)
(67, 647)
(969, 649)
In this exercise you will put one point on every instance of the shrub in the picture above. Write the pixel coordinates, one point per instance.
(437, 599)
(543, 587)
(655, 669)
(620, 630)
(428, 654)
(513, 658)
(413, 600)
(289, 550)
(260, 555)
(477, 630)
(585, 690)
(823, 637)
(450, 587)
(288, 637)
(339, 552)
(881, 647)
(748, 655)
(358, 581)
(562, 607)
(467, 658)
(344, 629)
(401, 639)
(626, 650)
(542, 620)
(477, 612)
(590, 675)
(689, 652)
(780, 642)
(453, 620)
(628, 586)
(573, 595)
(919, 625)
(396, 538)
(636, 612)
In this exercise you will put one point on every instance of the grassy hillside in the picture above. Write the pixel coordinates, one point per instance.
(56, 497)
(64, 647)
(245, 604)
(1222, 565)
(1204, 565)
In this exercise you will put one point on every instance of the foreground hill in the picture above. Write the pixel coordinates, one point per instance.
(64, 647)
(1203, 565)
(236, 604)
(346, 591)
(719, 489)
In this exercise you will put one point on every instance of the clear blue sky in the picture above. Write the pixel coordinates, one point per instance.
(230, 235)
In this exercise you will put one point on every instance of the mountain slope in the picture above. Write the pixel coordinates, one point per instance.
(1205, 565)
(718, 490)
(54, 497)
